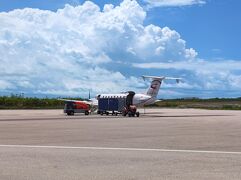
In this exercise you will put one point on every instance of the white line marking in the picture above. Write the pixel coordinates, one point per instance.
(120, 149)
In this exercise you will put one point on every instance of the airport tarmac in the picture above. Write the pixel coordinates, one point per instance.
(160, 144)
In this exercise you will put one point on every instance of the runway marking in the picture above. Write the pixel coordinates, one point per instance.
(120, 149)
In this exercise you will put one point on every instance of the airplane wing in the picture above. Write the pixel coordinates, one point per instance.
(70, 100)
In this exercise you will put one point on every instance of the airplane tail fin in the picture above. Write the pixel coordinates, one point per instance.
(156, 83)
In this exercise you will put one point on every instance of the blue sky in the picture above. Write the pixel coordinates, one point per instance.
(196, 39)
(212, 29)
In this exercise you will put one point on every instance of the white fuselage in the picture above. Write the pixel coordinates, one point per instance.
(143, 99)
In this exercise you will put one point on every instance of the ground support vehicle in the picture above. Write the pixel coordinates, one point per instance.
(131, 111)
(70, 108)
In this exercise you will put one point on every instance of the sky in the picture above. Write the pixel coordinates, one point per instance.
(68, 47)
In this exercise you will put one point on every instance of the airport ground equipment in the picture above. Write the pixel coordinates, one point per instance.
(131, 111)
(118, 104)
(111, 105)
(70, 108)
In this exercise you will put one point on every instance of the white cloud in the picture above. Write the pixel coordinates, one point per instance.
(71, 50)
(200, 74)
(172, 3)
(5, 84)
(198, 64)
(160, 44)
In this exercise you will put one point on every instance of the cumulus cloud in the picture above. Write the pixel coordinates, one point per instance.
(71, 50)
(219, 76)
(172, 3)
(198, 64)
(161, 44)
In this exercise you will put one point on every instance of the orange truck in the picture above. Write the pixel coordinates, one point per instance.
(70, 108)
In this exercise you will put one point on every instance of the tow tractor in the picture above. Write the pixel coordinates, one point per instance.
(130, 111)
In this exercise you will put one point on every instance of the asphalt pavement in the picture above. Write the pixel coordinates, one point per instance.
(160, 144)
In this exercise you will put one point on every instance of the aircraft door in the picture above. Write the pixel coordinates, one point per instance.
(129, 98)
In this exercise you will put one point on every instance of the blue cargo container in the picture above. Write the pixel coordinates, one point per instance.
(113, 104)
(117, 104)
(103, 104)
(110, 105)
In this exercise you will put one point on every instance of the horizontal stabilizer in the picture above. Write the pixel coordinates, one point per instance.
(161, 78)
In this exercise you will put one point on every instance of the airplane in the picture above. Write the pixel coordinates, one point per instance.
(137, 99)
(141, 99)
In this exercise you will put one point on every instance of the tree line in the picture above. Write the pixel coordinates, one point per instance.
(20, 102)
(16, 101)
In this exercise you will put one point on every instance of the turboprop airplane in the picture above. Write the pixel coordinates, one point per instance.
(141, 99)
(137, 99)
